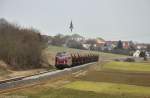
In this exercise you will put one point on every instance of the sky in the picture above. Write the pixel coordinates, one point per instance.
(109, 19)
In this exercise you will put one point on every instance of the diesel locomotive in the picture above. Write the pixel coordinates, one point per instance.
(66, 60)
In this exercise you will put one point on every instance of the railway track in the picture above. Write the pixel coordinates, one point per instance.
(26, 80)
(21, 77)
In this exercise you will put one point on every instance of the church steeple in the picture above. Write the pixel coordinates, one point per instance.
(71, 26)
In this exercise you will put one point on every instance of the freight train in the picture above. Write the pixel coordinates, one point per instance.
(66, 60)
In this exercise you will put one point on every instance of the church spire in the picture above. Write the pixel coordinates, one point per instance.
(71, 26)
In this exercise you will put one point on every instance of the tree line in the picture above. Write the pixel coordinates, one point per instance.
(20, 47)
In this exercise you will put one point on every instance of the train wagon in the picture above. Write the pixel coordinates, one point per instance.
(66, 60)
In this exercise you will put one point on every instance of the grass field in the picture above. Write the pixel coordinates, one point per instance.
(94, 84)
(71, 93)
(4, 72)
(127, 66)
(108, 80)
(131, 73)
(109, 88)
(54, 49)
(51, 51)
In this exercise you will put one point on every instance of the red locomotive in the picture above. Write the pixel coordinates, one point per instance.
(65, 60)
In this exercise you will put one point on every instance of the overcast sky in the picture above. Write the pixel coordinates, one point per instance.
(110, 19)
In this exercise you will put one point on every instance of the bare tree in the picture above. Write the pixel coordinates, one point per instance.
(20, 47)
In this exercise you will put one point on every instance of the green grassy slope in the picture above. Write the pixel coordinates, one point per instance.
(68, 93)
(109, 88)
(127, 66)
(51, 51)
(55, 49)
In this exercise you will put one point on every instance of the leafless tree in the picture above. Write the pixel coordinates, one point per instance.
(20, 47)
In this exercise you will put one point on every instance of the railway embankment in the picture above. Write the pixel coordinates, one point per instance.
(29, 80)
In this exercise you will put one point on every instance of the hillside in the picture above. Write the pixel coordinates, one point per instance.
(49, 54)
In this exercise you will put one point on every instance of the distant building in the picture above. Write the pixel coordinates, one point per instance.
(99, 42)
(86, 46)
(113, 44)
(141, 46)
(126, 44)
(77, 37)
(136, 53)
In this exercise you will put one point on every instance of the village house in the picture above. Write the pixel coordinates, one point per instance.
(141, 46)
(77, 37)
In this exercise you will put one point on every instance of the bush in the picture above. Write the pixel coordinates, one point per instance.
(129, 60)
(142, 54)
(117, 60)
(74, 44)
(20, 48)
